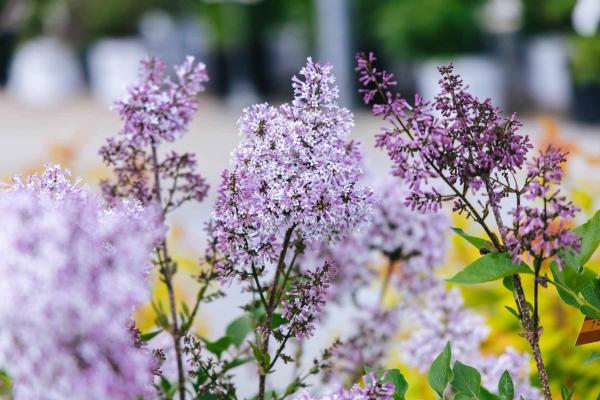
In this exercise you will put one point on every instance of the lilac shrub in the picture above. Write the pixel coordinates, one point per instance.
(462, 150)
(73, 271)
(296, 227)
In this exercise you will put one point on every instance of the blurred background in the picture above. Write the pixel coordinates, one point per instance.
(63, 62)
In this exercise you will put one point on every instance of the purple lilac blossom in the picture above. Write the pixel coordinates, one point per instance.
(156, 110)
(293, 172)
(304, 302)
(538, 227)
(373, 388)
(457, 138)
(73, 272)
(441, 318)
(517, 364)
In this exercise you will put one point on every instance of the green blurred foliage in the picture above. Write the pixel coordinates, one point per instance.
(425, 28)
(547, 15)
(97, 18)
(87, 20)
(236, 24)
(585, 60)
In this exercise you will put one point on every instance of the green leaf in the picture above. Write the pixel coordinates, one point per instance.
(590, 239)
(479, 243)
(256, 352)
(466, 380)
(578, 288)
(593, 357)
(277, 320)
(394, 376)
(590, 312)
(513, 312)
(506, 387)
(218, 347)
(145, 337)
(5, 384)
(263, 359)
(489, 268)
(236, 362)
(440, 374)
(591, 293)
(566, 393)
(207, 396)
(239, 329)
(485, 395)
(574, 280)
(509, 283)
(168, 389)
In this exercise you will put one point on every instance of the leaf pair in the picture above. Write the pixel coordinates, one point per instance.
(465, 380)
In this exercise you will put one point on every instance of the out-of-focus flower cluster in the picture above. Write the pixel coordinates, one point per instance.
(415, 243)
(294, 173)
(441, 318)
(373, 388)
(156, 110)
(368, 344)
(538, 228)
(72, 272)
(492, 368)
(427, 315)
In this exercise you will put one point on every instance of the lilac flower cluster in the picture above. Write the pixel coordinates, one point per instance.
(441, 319)
(373, 388)
(54, 182)
(492, 368)
(539, 230)
(416, 241)
(72, 273)
(396, 234)
(305, 300)
(368, 345)
(159, 109)
(457, 138)
(155, 111)
(294, 174)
